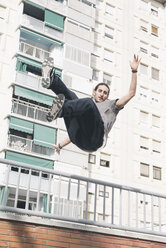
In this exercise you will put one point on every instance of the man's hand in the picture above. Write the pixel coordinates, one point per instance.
(56, 148)
(135, 63)
(61, 145)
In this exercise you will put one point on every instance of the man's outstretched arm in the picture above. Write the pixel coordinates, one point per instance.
(132, 90)
(61, 145)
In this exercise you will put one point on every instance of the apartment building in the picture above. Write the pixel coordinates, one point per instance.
(90, 41)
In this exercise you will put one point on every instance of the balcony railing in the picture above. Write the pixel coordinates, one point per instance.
(34, 51)
(120, 207)
(27, 145)
(32, 22)
(31, 111)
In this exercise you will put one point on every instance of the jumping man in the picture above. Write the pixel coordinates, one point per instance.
(88, 120)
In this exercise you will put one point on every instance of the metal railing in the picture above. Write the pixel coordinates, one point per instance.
(27, 145)
(31, 111)
(33, 51)
(80, 199)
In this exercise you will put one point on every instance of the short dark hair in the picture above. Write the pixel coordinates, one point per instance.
(97, 86)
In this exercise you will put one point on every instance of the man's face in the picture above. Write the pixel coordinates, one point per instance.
(101, 94)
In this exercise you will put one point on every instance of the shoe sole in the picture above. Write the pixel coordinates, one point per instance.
(56, 108)
(47, 66)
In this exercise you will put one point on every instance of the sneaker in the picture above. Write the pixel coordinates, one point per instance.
(56, 108)
(47, 66)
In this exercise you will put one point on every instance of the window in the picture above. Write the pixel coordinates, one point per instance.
(155, 96)
(143, 92)
(156, 146)
(2, 12)
(95, 75)
(154, 11)
(144, 117)
(101, 191)
(143, 69)
(143, 47)
(109, 32)
(144, 143)
(156, 173)
(86, 2)
(155, 121)
(50, 19)
(34, 11)
(92, 159)
(77, 24)
(104, 163)
(144, 170)
(155, 73)
(108, 55)
(107, 79)
(154, 30)
(110, 10)
(144, 25)
(77, 55)
(154, 52)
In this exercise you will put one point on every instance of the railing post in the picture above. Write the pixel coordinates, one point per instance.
(112, 217)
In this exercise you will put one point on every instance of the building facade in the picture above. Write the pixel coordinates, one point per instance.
(91, 42)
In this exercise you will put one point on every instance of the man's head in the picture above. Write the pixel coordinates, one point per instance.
(101, 92)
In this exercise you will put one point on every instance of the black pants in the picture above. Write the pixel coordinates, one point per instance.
(82, 118)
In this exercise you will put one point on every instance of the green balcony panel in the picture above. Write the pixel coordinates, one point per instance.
(20, 66)
(44, 136)
(39, 38)
(54, 20)
(27, 61)
(14, 156)
(21, 125)
(58, 72)
(33, 95)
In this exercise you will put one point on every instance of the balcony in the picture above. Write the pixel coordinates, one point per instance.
(27, 145)
(82, 200)
(40, 54)
(31, 81)
(29, 110)
(33, 51)
(39, 26)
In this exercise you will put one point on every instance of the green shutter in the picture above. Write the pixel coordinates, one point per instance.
(41, 37)
(29, 61)
(4, 193)
(20, 66)
(33, 95)
(21, 125)
(45, 199)
(14, 156)
(54, 20)
(44, 136)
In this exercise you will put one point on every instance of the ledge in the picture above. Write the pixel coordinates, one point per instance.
(81, 227)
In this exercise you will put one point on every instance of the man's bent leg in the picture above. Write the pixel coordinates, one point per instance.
(51, 81)
(76, 107)
(58, 87)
